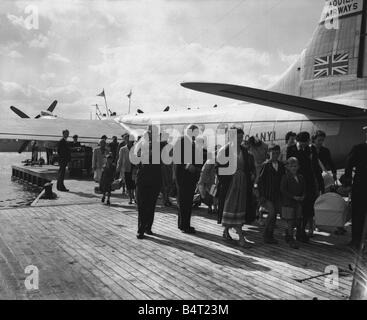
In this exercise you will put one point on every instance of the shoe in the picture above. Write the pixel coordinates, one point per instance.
(140, 236)
(227, 236)
(293, 244)
(270, 241)
(130, 202)
(189, 230)
(149, 232)
(108, 202)
(103, 199)
(244, 244)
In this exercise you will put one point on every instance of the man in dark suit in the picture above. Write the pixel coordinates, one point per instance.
(187, 174)
(310, 169)
(148, 181)
(357, 159)
(63, 151)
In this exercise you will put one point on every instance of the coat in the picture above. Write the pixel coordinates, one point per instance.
(123, 162)
(309, 168)
(269, 181)
(225, 181)
(290, 188)
(99, 158)
(108, 173)
(357, 159)
(63, 150)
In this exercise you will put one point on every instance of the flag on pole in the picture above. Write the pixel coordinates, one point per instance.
(101, 94)
(129, 95)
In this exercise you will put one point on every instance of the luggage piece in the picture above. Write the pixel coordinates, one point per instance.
(331, 210)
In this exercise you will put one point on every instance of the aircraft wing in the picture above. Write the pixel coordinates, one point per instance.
(277, 100)
(51, 129)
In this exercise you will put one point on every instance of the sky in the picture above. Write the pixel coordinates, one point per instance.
(71, 50)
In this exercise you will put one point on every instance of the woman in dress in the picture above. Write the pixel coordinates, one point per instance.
(235, 191)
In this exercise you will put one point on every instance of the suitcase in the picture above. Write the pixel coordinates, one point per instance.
(331, 210)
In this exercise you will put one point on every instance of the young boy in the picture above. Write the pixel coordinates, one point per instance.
(269, 191)
(292, 188)
(108, 173)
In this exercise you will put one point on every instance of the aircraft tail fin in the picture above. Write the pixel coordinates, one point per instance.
(335, 60)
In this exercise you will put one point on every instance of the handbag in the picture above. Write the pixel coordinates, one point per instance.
(213, 190)
(288, 213)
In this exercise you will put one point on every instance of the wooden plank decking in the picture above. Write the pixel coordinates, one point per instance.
(90, 251)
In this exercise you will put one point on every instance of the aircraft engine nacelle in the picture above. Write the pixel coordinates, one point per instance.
(46, 113)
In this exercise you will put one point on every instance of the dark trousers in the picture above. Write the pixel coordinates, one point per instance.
(146, 199)
(186, 185)
(48, 155)
(359, 211)
(273, 208)
(61, 175)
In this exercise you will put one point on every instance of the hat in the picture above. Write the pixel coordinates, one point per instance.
(303, 136)
(75, 136)
(104, 137)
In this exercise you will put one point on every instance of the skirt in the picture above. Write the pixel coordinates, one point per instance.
(234, 211)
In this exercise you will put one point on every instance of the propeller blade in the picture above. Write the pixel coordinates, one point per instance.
(140, 111)
(166, 109)
(18, 112)
(52, 106)
(37, 116)
(23, 146)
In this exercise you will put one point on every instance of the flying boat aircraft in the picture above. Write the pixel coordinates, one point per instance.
(325, 89)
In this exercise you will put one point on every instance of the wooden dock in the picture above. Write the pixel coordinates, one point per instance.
(90, 251)
(35, 175)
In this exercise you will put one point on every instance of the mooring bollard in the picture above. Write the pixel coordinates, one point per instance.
(48, 190)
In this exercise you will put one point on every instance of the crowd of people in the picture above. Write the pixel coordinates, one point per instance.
(267, 179)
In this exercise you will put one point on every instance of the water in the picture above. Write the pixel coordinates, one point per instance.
(14, 193)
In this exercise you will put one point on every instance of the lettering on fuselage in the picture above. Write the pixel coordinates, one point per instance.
(265, 136)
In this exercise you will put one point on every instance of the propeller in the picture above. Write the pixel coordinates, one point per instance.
(215, 106)
(52, 106)
(166, 109)
(21, 114)
(139, 111)
(23, 146)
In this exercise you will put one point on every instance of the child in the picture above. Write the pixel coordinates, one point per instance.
(269, 191)
(108, 173)
(207, 186)
(292, 188)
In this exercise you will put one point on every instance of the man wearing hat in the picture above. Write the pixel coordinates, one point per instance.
(357, 159)
(75, 142)
(63, 151)
(125, 139)
(310, 169)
